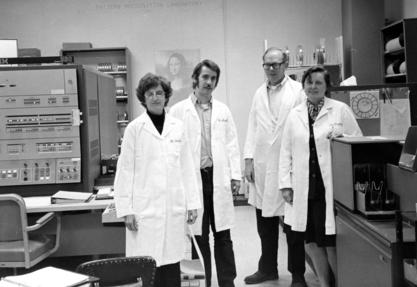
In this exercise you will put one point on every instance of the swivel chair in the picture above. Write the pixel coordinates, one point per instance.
(17, 247)
(121, 271)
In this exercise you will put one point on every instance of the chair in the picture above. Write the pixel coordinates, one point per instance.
(17, 247)
(193, 270)
(121, 270)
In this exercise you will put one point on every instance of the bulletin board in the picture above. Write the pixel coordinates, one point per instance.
(381, 110)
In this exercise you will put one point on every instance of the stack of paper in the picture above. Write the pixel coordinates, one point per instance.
(105, 192)
(48, 277)
(109, 215)
(71, 197)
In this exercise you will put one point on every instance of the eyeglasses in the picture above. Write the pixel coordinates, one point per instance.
(268, 66)
(158, 94)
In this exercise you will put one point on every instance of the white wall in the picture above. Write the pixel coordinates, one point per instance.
(409, 9)
(282, 23)
(399, 9)
(144, 26)
(230, 32)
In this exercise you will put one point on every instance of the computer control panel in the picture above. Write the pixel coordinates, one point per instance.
(39, 127)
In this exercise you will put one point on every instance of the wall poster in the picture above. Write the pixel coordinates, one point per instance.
(177, 66)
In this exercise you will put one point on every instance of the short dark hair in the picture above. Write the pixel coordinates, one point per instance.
(150, 81)
(317, 69)
(197, 71)
(284, 55)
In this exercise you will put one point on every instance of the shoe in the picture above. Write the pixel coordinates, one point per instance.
(298, 281)
(298, 284)
(259, 277)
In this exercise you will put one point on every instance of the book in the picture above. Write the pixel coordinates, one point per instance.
(49, 277)
(71, 197)
(105, 192)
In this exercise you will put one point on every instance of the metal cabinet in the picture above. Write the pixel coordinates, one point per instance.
(113, 61)
(362, 261)
(368, 252)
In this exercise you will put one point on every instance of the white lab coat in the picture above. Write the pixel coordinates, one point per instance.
(294, 158)
(155, 181)
(263, 142)
(226, 157)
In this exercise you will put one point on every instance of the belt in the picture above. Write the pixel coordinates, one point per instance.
(207, 169)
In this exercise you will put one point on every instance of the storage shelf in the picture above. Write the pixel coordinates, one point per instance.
(407, 28)
(395, 75)
(122, 98)
(116, 73)
(395, 52)
(115, 62)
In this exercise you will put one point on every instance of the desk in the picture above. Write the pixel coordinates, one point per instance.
(82, 230)
(38, 204)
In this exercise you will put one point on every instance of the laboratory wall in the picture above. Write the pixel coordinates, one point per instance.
(233, 33)
(399, 9)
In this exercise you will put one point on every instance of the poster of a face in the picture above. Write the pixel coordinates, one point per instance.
(177, 66)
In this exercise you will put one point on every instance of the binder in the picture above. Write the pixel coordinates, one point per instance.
(71, 197)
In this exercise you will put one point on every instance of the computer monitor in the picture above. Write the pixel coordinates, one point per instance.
(8, 48)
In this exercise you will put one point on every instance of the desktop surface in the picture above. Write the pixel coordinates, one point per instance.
(36, 204)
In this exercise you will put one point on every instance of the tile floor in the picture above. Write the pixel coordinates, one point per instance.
(247, 248)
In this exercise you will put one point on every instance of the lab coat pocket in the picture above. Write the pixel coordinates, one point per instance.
(178, 201)
(173, 152)
(144, 204)
(219, 129)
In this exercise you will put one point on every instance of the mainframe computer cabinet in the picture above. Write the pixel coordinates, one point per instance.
(114, 61)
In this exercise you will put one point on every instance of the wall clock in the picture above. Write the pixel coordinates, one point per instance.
(365, 104)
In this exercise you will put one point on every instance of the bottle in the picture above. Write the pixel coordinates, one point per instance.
(318, 56)
(299, 56)
(323, 50)
(287, 52)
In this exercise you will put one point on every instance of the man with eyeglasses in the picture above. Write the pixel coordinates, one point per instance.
(270, 107)
(212, 133)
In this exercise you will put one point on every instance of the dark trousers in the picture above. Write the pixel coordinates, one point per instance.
(168, 275)
(296, 253)
(223, 246)
(268, 233)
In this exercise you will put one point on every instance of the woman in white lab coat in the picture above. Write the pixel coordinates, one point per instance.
(305, 172)
(155, 185)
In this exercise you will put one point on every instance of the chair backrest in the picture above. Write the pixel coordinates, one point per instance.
(121, 270)
(13, 219)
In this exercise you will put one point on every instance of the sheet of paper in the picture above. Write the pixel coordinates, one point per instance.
(48, 277)
(395, 117)
(37, 201)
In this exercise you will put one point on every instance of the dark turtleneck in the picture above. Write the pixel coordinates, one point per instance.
(157, 120)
